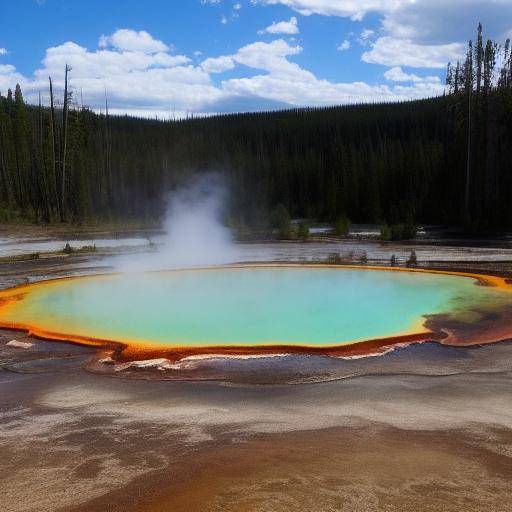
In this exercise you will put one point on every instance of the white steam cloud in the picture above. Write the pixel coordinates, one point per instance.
(194, 232)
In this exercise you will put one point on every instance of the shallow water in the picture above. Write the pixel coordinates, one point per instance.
(243, 306)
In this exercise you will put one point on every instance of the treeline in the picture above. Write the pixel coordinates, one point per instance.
(480, 109)
(443, 160)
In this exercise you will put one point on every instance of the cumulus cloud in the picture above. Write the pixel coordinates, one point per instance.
(345, 45)
(416, 33)
(271, 57)
(143, 80)
(290, 27)
(427, 21)
(317, 92)
(365, 36)
(286, 82)
(130, 40)
(390, 51)
(438, 21)
(424, 21)
(104, 63)
(397, 74)
(139, 80)
(9, 77)
(218, 64)
(355, 9)
(6, 69)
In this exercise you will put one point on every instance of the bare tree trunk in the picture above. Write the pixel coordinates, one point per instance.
(54, 147)
(44, 182)
(468, 162)
(107, 158)
(64, 146)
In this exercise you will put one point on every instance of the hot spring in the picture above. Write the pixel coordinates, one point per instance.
(229, 307)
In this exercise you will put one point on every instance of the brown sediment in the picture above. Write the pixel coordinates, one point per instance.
(125, 351)
(390, 442)
(490, 327)
(438, 328)
(135, 352)
(342, 469)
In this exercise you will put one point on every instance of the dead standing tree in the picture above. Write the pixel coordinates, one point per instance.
(59, 150)
(56, 161)
(107, 156)
(65, 111)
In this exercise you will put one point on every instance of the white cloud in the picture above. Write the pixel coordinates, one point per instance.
(161, 83)
(218, 64)
(397, 74)
(345, 45)
(272, 57)
(135, 81)
(131, 40)
(9, 77)
(287, 83)
(390, 51)
(282, 27)
(439, 21)
(367, 33)
(416, 33)
(322, 92)
(355, 9)
(237, 6)
(416, 19)
(365, 36)
(7, 69)
(104, 63)
(3, 51)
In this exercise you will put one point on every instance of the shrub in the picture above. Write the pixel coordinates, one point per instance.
(342, 226)
(87, 248)
(280, 219)
(402, 232)
(385, 232)
(412, 261)
(68, 249)
(409, 231)
(303, 231)
(334, 259)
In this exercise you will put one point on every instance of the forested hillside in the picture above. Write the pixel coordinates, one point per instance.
(443, 160)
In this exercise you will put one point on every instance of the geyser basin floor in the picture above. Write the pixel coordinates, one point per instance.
(256, 309)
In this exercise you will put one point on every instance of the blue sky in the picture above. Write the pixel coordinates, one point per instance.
(170, 58)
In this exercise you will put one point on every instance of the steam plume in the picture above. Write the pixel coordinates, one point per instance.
(194, 232)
